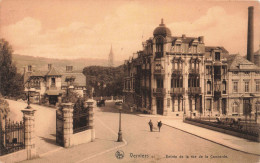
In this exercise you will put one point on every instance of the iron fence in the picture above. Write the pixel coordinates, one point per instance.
(11, 137)
(80, 117)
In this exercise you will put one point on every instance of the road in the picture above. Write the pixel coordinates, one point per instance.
(140, 144)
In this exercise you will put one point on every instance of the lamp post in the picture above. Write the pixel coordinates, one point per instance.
(120, 137)
(28, 90)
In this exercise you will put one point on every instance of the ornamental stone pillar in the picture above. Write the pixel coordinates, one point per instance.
(29, 132)
(67, 109)
(91, 119)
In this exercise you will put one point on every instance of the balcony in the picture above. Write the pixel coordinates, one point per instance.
(193, 71)
(159, 91)
(159, 71)
(177, 91)
(194, 90)
(177, 71)
(52, 87)
(158, 54)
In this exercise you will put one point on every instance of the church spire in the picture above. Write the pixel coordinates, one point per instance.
(111, 58)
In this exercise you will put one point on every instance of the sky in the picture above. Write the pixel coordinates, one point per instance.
(70, 29)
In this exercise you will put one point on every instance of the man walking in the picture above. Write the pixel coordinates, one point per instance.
(159, 125)
(151, 125)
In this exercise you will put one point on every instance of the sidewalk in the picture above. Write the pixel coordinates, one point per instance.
(229, 141)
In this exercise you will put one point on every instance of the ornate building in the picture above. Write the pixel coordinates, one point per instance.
(179, 75)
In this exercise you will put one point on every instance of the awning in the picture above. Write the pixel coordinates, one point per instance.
(53, 92)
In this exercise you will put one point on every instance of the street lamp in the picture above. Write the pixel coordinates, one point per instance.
(120, 137)
(28, 90)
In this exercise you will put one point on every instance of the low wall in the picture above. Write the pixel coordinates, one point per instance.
(14, 157)
(249, 137)
(81, 137)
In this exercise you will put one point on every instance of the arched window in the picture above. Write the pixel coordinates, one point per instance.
(159, 44)
(235, 107)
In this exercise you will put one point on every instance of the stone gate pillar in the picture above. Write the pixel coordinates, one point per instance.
(67, 109)
(29, 132)
(91, 118)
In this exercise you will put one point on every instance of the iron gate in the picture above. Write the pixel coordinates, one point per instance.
(11, 137)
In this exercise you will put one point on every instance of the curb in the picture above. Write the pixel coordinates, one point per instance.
(213, 141)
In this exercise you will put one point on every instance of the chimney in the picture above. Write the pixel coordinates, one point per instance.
(250, 34)
(201, 39)
(183, 36)
(29, 68)
(49, 66)
(69, 68)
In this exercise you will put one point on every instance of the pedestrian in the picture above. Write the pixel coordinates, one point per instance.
(151, 125)
(159, 125)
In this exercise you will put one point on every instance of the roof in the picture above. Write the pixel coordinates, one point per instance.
(53, 72)
(235, 61)
(162, 30)
(184, 39)
(80, 78)
(210, 48)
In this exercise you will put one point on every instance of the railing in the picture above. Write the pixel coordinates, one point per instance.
(11, 137)
(52, 88)
(193, 71)
(177, 91)
(194, 90)
(159, 71)
(159, 90)
(158, 54)
(177, 71)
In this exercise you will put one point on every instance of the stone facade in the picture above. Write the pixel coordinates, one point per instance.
(179, 75)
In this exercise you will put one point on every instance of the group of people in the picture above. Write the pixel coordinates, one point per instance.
(159, 124)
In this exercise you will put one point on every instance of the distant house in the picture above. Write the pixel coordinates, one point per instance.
(49, 86)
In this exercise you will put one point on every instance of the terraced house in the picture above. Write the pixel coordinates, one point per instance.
(176, 75)
(49, 86)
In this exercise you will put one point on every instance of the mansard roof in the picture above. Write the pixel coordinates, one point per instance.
(237, 62)
(210, 48)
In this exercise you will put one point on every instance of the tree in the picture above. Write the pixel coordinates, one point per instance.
(11, 82)
(4, 107)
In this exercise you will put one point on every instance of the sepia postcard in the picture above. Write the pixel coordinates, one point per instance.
(150, 81)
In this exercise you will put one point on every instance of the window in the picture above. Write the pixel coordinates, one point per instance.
(208, 70)
(246, 86)
(235, 86)
(217, 56)
(235, 73)
(159, 44)
(247, 72)
(159, 83)
(257, 86)
(53, 84)
(235, 107)
(224, 87)
(208, 87)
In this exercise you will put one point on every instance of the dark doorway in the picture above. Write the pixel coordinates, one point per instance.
(159, 105)
(246, 106)
(224, 106)
(53, 100)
